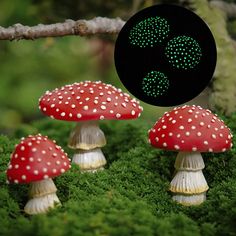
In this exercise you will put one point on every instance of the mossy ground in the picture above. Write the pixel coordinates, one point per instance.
(130, 197)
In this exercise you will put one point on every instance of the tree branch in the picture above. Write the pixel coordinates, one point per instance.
(98, 25)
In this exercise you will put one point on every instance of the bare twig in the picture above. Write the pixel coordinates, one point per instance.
(98, 25)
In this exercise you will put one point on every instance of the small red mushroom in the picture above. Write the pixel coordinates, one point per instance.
(36, 160)
(86, 102)
(190, 130)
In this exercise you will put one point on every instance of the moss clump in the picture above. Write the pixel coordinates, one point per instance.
(129, 198)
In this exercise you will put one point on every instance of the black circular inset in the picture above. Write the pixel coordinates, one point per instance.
(165, 55)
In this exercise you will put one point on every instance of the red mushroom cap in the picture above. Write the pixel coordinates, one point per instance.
(191, 128)
(36, 158)
(89, 101)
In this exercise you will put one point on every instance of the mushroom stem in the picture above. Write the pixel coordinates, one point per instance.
(189, 185)
(87, 138)
(43, 197)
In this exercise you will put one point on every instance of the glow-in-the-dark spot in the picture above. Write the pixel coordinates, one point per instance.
(155, 84)
(183, 52)
(149, 32)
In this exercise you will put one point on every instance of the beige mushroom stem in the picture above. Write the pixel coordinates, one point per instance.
(87, 138)
(189, 185)
(43, 197)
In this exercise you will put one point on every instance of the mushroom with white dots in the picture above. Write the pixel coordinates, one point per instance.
(36, 160)
(86, 103)
(190, 130)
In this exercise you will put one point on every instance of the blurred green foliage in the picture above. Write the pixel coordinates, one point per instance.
(29, 68)
(130, 197)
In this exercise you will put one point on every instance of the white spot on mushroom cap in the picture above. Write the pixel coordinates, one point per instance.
(85, 108)
(23, 177)
(187, 133)
(45, 176)
(176, 147)
(213, 136)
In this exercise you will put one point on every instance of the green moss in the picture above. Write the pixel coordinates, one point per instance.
(129, 198)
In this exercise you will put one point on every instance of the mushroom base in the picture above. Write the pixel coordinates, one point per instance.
(189, 200)
(89, 160)
(189, 185)
(42, 204)
(189, 182)
(43, 197)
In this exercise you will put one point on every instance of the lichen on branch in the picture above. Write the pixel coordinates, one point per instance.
(97, 25)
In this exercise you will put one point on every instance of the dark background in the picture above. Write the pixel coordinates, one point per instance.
(134, 63)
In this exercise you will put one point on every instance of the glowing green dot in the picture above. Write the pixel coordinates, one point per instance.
(155, 84)
(187, 51)
(149, 32)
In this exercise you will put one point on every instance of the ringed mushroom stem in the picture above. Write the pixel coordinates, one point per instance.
(87, 139)
(42, 197)
(89, 160)
(189, 185)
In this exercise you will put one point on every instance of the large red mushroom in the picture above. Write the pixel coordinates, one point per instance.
(190, 130)
(86, 103)
(36, 160)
